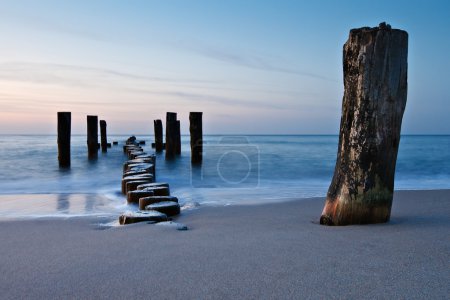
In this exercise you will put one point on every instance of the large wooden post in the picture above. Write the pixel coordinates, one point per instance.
(375, 82)
(92, 136)
(157, 125)
(64, 127)
(103, 137)
(196, 130)
(171, 125)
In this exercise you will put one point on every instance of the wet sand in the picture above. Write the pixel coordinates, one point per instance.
(271, 251)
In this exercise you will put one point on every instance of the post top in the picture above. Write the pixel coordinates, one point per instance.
(383, 26)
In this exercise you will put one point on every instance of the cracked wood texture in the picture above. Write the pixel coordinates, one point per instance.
(375, 91)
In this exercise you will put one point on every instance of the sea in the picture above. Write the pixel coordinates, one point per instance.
(236, 170)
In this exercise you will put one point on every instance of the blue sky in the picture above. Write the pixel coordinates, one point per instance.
(250, 66)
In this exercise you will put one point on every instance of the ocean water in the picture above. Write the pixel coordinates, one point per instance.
(235, 170)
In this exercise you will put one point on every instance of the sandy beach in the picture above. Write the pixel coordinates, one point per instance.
(271, 251)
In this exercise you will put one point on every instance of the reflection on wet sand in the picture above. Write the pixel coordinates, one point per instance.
(57, 205)
(63, 203)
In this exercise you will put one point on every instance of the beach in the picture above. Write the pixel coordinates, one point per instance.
(265, 251)
(233, 150)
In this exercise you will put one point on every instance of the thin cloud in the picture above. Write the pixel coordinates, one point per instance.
(222, 100)
(248, 61)
(51, 73)
(162, 90)
(36, 23)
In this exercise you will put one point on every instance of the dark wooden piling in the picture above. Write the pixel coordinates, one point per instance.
(196, 131)
(92, 136)
(375, 92)
(64, 128)
(178, 138)
(103, 138)
(171, 126)
(158, 128)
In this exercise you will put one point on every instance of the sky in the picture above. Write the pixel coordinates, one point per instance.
(251, 67)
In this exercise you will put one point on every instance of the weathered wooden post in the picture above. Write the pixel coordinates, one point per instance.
(64, 127)
(103, 138)
(171, 124)
(92, 136)
(196, 131)
(157, 125)
(375, 81)
(178, 138)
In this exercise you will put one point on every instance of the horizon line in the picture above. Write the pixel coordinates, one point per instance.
(220, 134)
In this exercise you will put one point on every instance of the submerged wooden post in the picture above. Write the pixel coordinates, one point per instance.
(103, 138)
(196, 131)
(178, 138)
(171, 124)
(64, 127)
(92, 136)
(158, 128)
(375, 81)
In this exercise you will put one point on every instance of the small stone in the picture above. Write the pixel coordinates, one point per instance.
(190, 205)
(167, 207)
(142, 216)
(147, 166)
(127, 147)
(140, 176)
(158, 190)
(134, 173)
(138, 169)
(148, 178)
(175, 225)
(148, 200)
(153, 184)
(131, 140)
(133, 196)
(147, 156)
(132, 185)
(141, 160)
(132, 153)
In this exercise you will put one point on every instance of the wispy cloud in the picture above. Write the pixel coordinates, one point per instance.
(252, 61)
(51, 73)
(35, 22)
(208, 98)
(134, 89)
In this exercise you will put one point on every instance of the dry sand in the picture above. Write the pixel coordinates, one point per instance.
(271, 251)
